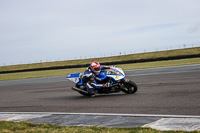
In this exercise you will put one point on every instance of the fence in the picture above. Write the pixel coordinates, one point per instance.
(110, 55)
(106, 63)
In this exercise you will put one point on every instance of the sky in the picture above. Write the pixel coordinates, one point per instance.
(33, 31)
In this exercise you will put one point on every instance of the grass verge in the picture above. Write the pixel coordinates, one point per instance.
(48, 73)
(27, 127)
(187, 51)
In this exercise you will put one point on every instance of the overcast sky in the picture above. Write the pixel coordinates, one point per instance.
(49, 30)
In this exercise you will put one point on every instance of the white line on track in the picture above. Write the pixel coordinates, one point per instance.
(163, 70)
(166, 67)
(106, 114)
(159, 122)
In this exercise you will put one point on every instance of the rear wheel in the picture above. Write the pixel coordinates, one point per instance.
(129, 87)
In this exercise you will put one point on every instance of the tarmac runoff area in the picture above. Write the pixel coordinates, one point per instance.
(180, 84)
(159, 122)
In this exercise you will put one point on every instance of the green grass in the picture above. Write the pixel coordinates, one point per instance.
(48, 73)
(27, 127)
(188, 51)
(60, 72)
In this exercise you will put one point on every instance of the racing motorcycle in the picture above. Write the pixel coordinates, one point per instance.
(115, 76)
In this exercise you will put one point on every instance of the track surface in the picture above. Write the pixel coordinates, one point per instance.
(168, 90)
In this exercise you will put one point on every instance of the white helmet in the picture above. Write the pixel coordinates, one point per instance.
(95, 66)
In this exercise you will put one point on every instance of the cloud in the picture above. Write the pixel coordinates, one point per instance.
(194, 28)
(60, 29)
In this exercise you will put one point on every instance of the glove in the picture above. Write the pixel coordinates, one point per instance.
(106, 85)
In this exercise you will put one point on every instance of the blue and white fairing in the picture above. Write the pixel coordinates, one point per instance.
(75, 77)
(115, 73)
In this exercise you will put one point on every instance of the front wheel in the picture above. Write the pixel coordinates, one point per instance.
(129, 87)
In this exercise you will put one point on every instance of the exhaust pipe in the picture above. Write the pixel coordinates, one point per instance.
(79, 90)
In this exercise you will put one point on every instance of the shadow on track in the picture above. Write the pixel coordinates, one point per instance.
(81, 97)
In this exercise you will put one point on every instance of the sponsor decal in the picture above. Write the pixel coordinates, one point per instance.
(76, 80)
(126, 80)
(98, 78)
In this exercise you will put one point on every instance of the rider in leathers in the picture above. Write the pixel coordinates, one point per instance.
(90, 75)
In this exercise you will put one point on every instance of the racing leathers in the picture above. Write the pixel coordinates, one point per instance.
(89, 80)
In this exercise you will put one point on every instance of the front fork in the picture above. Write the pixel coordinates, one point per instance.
(125, 80)
(121, 84)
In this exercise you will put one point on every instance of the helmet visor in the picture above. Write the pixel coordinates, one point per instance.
(97, 69)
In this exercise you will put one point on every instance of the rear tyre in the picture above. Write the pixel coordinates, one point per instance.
(130, 87)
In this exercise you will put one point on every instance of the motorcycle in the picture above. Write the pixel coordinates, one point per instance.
(115, 76)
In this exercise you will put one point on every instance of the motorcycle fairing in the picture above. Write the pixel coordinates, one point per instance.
(117, 75)
(75, 77)
(101, 76)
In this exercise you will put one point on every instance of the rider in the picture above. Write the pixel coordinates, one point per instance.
(89, 77)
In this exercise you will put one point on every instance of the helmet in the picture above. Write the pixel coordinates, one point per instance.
(95, 66)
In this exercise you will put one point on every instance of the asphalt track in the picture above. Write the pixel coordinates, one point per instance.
(166, 90)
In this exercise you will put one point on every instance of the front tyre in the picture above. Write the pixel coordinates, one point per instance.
(129, 87)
